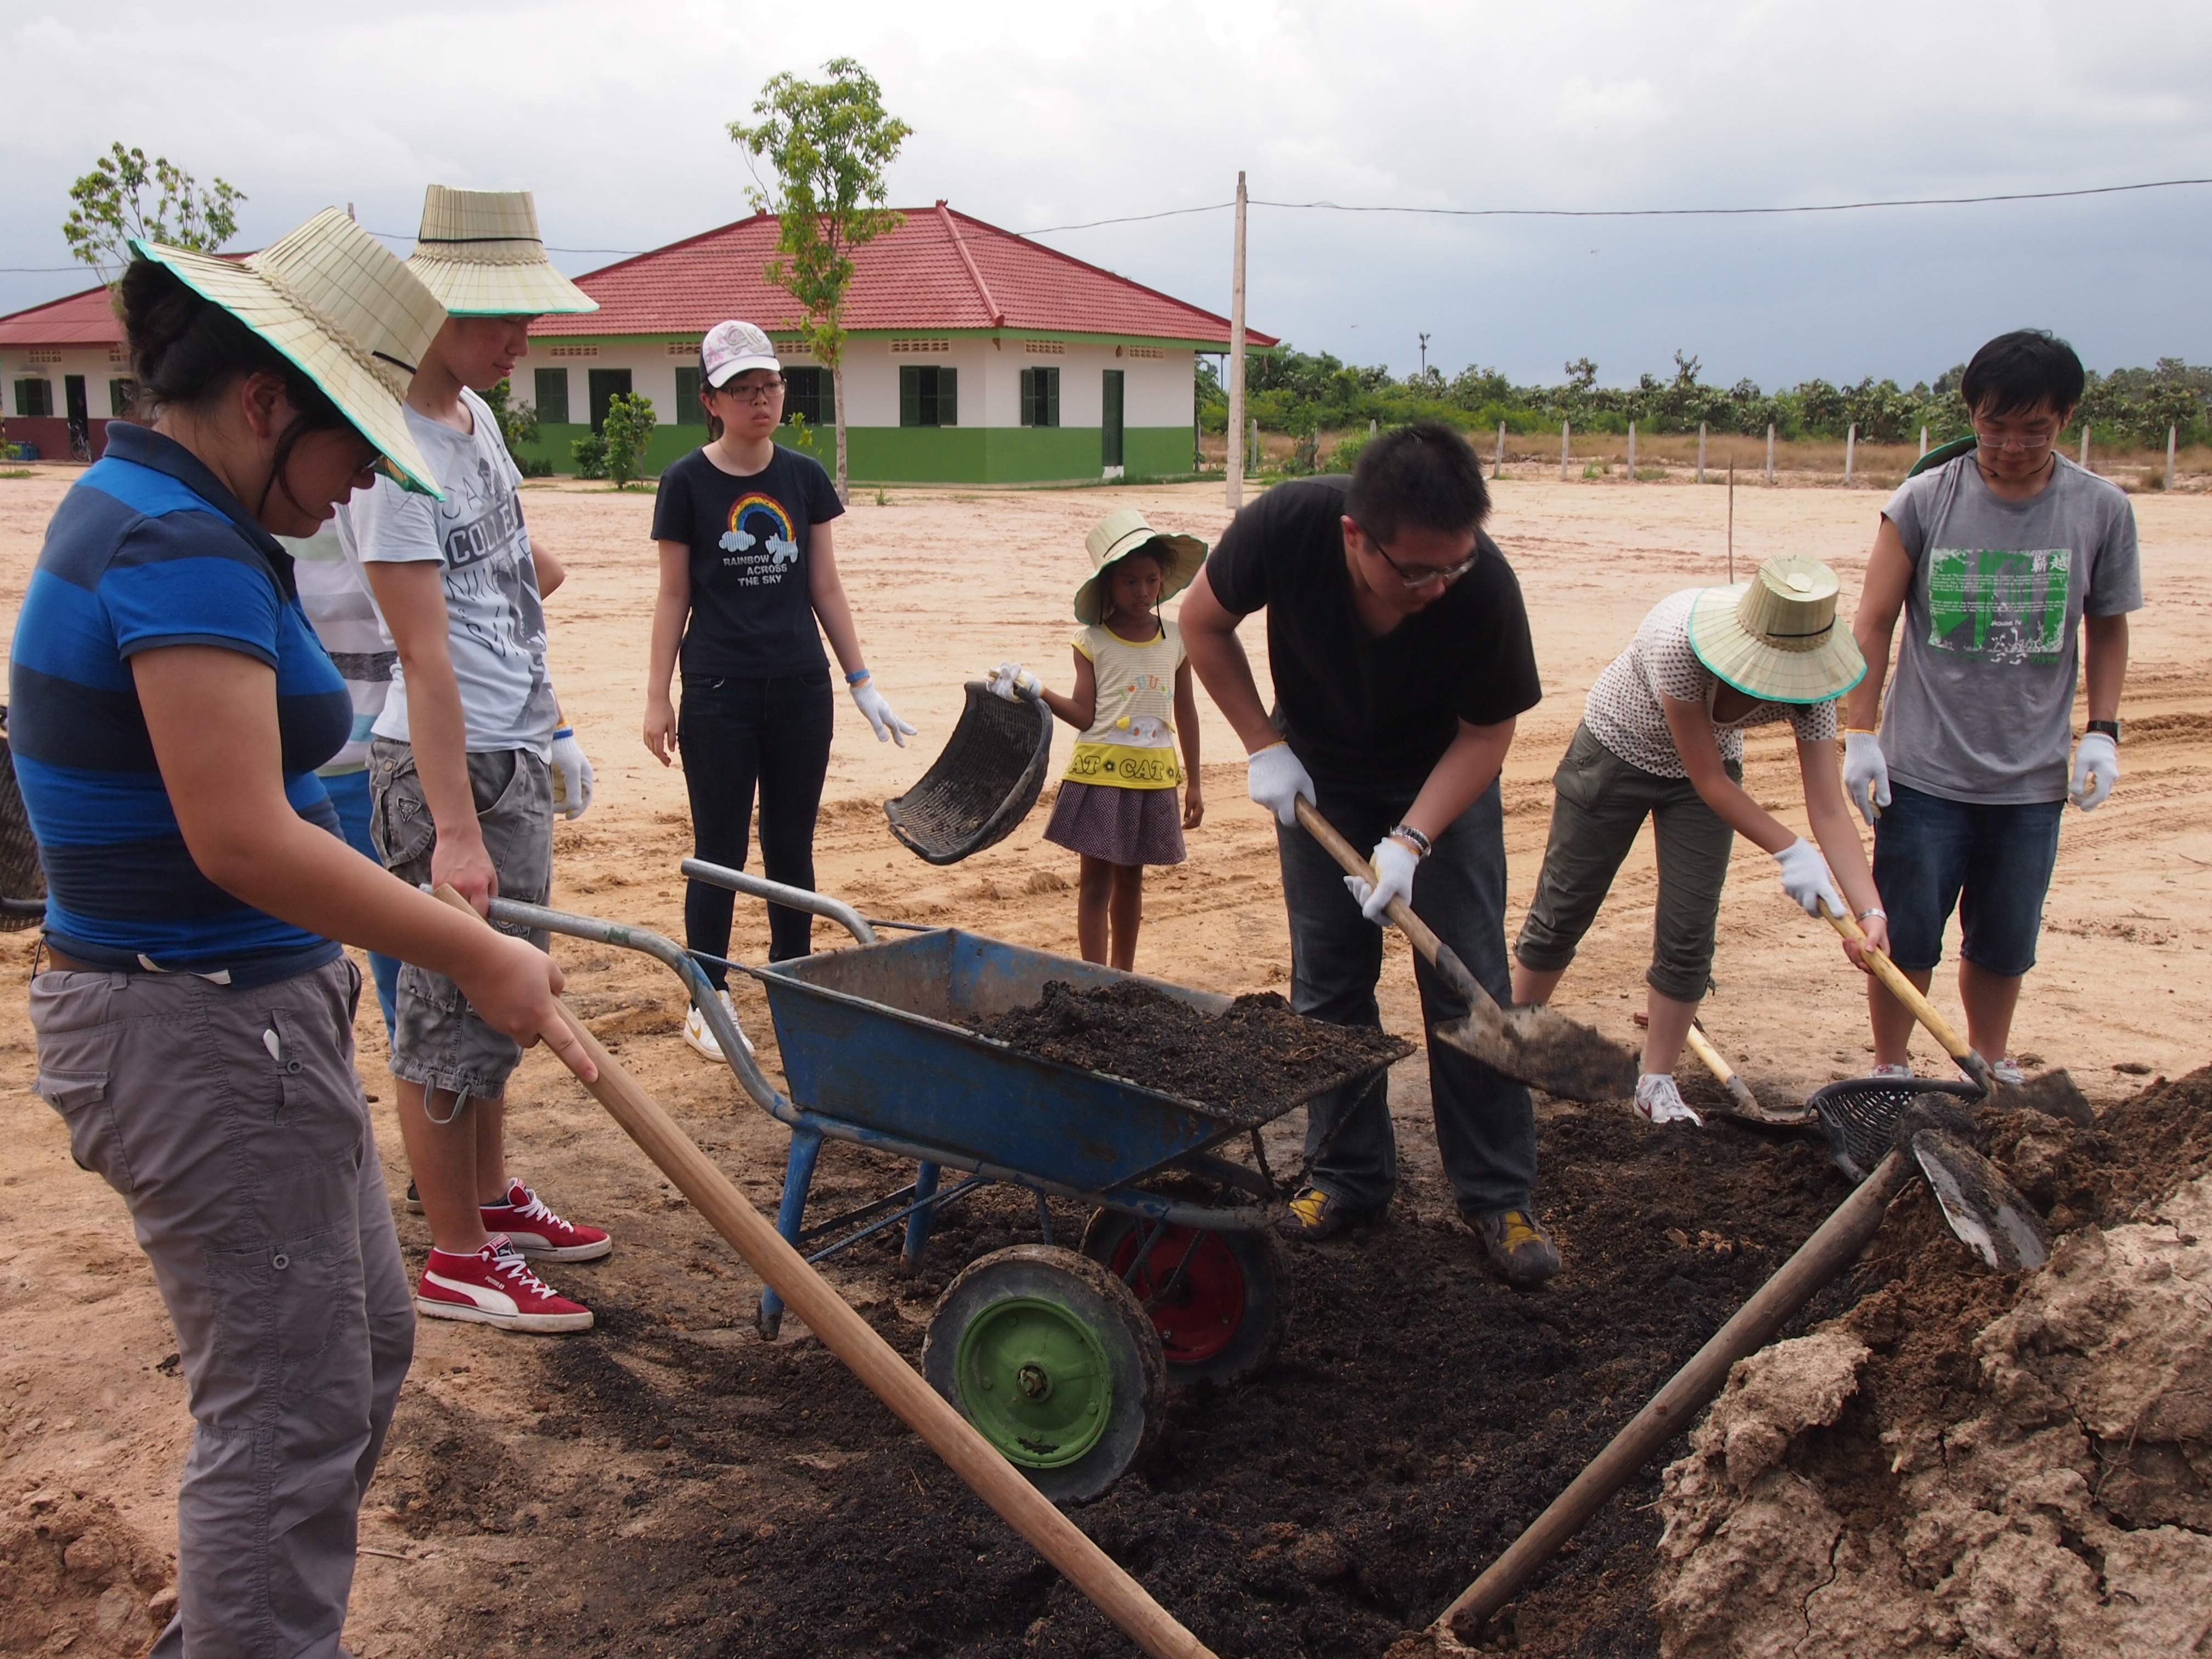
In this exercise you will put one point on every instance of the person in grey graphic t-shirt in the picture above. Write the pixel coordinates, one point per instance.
(2016, 571)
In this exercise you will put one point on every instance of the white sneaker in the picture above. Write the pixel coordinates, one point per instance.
(700, 1035)
(1658, 1101)
(1903, 1068)
(2007, 1071)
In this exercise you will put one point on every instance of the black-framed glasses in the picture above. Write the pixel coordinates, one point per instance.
(1423, 577)
(754, 392)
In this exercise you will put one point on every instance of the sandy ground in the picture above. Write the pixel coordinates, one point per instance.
(946, 583)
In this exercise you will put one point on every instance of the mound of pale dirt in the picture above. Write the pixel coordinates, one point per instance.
(1967, 1464)
(75, 1576)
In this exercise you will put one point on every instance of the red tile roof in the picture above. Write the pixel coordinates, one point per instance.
(940, 270)
(83, 318)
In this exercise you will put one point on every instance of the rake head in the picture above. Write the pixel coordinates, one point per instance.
(1860, 1115)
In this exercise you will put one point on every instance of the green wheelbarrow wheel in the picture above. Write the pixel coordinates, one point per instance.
(1056, 1363)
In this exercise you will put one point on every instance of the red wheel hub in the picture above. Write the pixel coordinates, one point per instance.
(1196, 1314)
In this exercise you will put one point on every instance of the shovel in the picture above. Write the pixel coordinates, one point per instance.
(1535, 1045)
(2054, 1093)
(1991, 1219)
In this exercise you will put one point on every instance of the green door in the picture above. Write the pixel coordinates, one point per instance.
(1110, 422)
(605, 383)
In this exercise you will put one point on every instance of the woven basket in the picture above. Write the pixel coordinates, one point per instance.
(22, 878)
(982, 786)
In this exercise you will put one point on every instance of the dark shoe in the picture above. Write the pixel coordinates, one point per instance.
(1518, 1247)
(1315, 1215)
(414, 1200)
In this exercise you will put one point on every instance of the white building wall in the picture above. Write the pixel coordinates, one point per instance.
(97, 364)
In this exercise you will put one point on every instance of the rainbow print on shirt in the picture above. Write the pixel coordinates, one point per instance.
(755, 517)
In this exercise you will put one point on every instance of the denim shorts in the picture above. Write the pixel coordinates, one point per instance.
(1992, 864)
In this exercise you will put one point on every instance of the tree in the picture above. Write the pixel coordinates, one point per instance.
(827, 142)
(627, 430)
(111, 209)
(518, 422)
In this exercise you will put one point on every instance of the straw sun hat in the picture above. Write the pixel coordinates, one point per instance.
(479, 252)
(333, 300)
(1775, 637)
(1124, 532)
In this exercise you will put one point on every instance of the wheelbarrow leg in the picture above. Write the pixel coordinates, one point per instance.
(791, 1214)
(917, 1225)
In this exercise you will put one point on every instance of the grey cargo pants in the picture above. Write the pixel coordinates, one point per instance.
(255, 1191)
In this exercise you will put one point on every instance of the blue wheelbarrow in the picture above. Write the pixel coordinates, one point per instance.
(1060, 1356)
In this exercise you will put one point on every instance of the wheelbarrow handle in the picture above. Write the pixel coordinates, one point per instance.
(1894, 981)
(792, 898)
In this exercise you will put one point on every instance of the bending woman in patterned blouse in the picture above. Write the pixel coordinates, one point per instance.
(1661, 736)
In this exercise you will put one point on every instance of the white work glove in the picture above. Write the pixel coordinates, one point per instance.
(1805, 878)
(1866, 775)
(1275, 778)
(2096, 770)
(572, 776)
(1395, 863)
(890, 728)
(1010, 679)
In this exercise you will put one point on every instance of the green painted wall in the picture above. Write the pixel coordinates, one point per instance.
(963, 455)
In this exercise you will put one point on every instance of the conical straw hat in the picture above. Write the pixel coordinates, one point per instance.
(1118, 534)
(1775, 636)
(343, 308)
(479, 252)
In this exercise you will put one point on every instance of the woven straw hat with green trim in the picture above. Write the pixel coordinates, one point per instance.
(1776, 637)
(340, 306)
(479, 252)
(1118, 534)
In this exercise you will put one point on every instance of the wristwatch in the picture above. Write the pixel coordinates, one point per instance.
(1420, 843)
(2110, 728)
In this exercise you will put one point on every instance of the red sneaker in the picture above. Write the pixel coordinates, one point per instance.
(494, 1286)
(536, 1230)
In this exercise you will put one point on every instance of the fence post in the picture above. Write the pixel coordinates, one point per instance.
(1252, 442)
(1632, 452)
(1923, 440)
(1770, 452)
(2085, 446)
(1562, 451)
(1701, 452)
(1498, 466)
(1234, 459)
(2172, 435)
(1374, 426)
(1850, 453)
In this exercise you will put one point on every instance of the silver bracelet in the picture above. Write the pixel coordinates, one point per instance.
(1422, 845)
(1874, 910)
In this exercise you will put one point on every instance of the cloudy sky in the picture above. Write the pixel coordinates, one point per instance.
(1030, 116)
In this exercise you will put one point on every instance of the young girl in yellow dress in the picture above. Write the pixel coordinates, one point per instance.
(1133, 701)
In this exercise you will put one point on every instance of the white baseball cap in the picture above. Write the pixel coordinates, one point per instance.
(731, 347)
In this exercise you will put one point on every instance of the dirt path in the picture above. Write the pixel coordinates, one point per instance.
(667, 1485)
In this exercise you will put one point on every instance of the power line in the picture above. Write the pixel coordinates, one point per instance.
(1643, 212)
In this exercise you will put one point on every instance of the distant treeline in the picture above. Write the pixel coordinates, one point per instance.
(1297, 393)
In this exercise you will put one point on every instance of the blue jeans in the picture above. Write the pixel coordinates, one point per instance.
(1486, 1121)
(349, 794)
(1991, 863)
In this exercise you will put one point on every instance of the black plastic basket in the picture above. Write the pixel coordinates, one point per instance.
(22, 877)
(1860, 1113)
(984, 783)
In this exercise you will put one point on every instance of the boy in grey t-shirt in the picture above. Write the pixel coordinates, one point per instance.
(2001, 559)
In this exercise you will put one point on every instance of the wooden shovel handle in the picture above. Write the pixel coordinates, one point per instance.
(873, 1360)
(1701, 1046)
(1439, 955)
(1894, 981)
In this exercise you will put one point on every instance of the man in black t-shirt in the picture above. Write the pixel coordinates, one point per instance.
(1400, 655)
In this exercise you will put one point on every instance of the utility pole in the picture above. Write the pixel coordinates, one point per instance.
(1235, 466)
(1425, 357)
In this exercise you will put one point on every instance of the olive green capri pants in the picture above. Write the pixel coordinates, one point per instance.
(1600, 803)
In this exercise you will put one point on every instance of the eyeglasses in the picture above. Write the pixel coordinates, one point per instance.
(1420, 576)
(1988, 440)
(756, 391)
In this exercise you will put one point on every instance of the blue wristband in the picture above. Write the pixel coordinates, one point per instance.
(565, 731)
(857, 676)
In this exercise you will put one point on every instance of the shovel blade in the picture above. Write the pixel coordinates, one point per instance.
(1984, 1210)
(2054, 1094)
(1545, 1049)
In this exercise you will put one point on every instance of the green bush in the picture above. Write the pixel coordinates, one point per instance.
(590, 452)
(626, 431)
(518, 422)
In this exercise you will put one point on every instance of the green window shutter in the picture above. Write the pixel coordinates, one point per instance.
(1028, 397)
(1051, 396)
(688, 411)
(119, 394)
(552, 396)
(909, 395)
(948, 396)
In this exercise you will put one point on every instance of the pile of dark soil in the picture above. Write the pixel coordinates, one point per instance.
(1248, 1064)
(1420, 1415)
